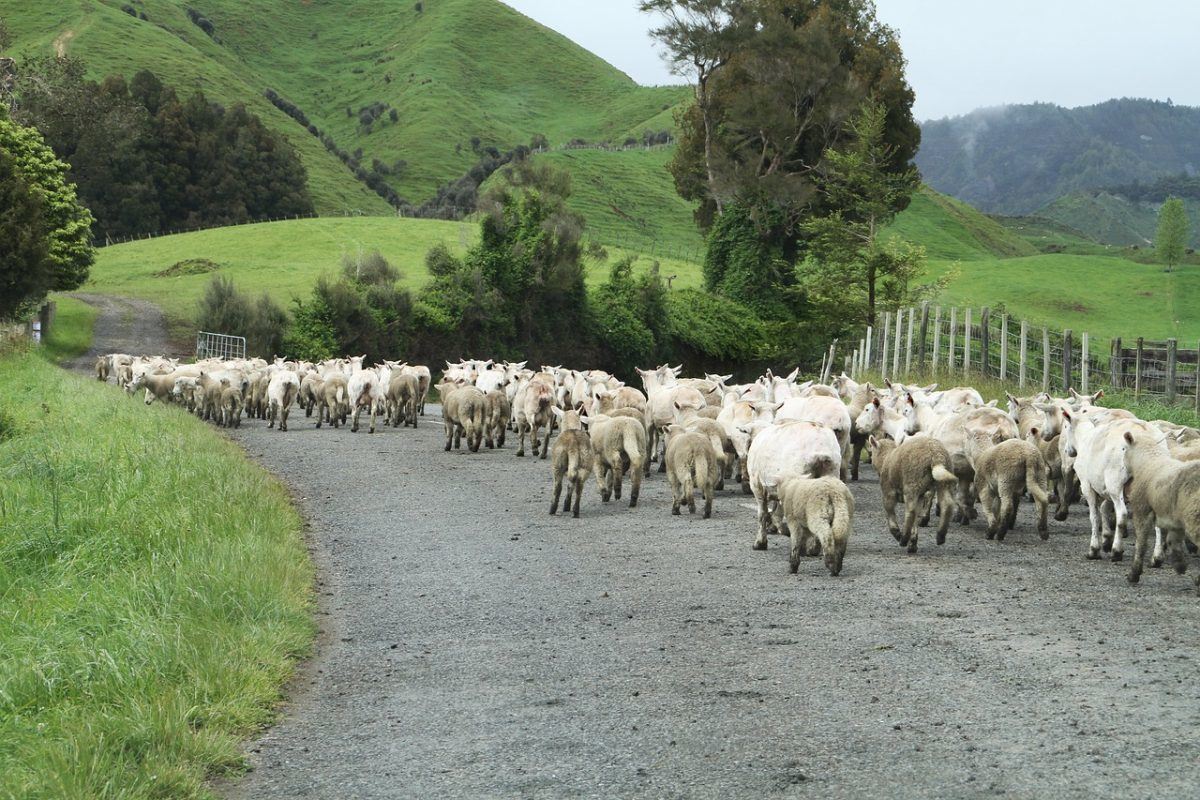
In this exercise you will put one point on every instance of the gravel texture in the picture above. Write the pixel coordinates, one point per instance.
(474, 646)
(123, 325)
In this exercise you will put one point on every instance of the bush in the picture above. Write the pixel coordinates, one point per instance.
(370, 269)
(718, 328)
(223, 309)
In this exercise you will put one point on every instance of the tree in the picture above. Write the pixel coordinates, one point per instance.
(701, 36)
(778, 100)
(1171, 240)
(68, 223)
(848, 264)
(24, 242)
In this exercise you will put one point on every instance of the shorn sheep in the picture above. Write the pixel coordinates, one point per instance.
(818, 513)
(571, 459)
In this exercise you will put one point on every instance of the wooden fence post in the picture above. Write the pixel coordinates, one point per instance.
(985, 339)
(1066, 359)
(896, 348)
(950, 346)
(921, 336)
(828, 371)
(1137, 369)
(937, 338)
(1023, 364)
(1083, 363)
(1046, 360)
(1197, 407)
(1004, 347)
(909, 344)
(867, 349)
(1114, 363)
(967, 342)
(1172, 364)
(883, 350)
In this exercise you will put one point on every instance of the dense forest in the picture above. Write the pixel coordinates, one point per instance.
(1017, 159)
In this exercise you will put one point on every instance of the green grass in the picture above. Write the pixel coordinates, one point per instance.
(461, 68)
(71, 333)
(1113, 219)
(155, 587)
(949, 229)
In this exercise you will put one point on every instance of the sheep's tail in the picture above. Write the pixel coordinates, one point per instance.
(1035, 477)
(943, 475)
(823, 466)
(632, 447)
(702, 466)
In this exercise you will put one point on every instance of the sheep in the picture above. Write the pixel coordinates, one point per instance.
(463, 410)
(859, 397)
(310, 392)
(1002, 474)
(571, 459)
(102, 368)
(532, 410)
(231, 407)
(281, 393)
(913, 471)
(158, 387)
(334, 401)
(403, 396)
(820, 509)
(719, 439)
(496, 418)
(366, 390)
(619, 445)
(691, 464)
(829, 411)
(1164, 495)
(778, 451)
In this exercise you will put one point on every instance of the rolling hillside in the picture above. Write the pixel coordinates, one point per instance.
(1114, 219)
(455, 70)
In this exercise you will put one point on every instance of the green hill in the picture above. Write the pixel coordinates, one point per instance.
(1114, 219)
(456, 70)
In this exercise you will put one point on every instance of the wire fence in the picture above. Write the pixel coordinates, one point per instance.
(936, 341)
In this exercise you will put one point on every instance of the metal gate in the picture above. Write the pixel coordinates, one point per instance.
(219, 345)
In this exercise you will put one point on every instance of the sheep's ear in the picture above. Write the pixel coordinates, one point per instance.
(1014, 400)
(1034, 432)
(1066, 415)
(991, 403)
(931, 387)
(1097, 395)
(908, 396)
(556, 411)
(1129, 437)
(677, 406)
(791, 378)
(1073, 393)
(579, 408)
(875, 402)
(888, 383)
(1046, 407)
(873, 442)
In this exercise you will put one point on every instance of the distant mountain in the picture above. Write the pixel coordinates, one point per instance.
(1017, 159)
(1126, 215)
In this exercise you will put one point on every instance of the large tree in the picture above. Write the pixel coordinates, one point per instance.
(852, 268)
(24, 251)
(1170, 242)
(68, 222)
(798, 71)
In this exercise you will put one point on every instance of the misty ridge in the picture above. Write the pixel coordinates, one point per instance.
(1018, 159)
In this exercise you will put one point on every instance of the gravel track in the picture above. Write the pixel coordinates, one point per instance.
(473, 646)
(123, 325)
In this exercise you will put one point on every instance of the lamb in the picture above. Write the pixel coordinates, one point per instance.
(1164, 494)
(820, 509)
(102, 368)
(496, 417)
(691, 464)
(1002, 474)
(913, 471)
(783, 450)
(231, 407)
(403, 397)
(572, 459)
(281, 393)
(310, 392)
(722, 447)
(532, 408)
(334, 401)
(1063, 488)
(462, 412)
(618, 446)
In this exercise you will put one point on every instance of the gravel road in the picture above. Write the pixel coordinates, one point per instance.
(123, 325)
(473, 646)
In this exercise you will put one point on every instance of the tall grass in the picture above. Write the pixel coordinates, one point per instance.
(155, 593)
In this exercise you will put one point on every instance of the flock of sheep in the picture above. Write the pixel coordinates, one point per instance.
(793, 445)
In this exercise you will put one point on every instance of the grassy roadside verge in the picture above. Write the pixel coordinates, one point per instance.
(71, 334)
(155, 592)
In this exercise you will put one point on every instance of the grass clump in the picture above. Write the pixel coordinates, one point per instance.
(156, 593)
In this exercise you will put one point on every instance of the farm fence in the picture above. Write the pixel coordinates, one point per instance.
(935, 341)
(219, 345)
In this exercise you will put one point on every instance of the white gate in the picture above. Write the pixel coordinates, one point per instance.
(219, 345)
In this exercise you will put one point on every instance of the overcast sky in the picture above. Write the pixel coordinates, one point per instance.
(964, 54)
